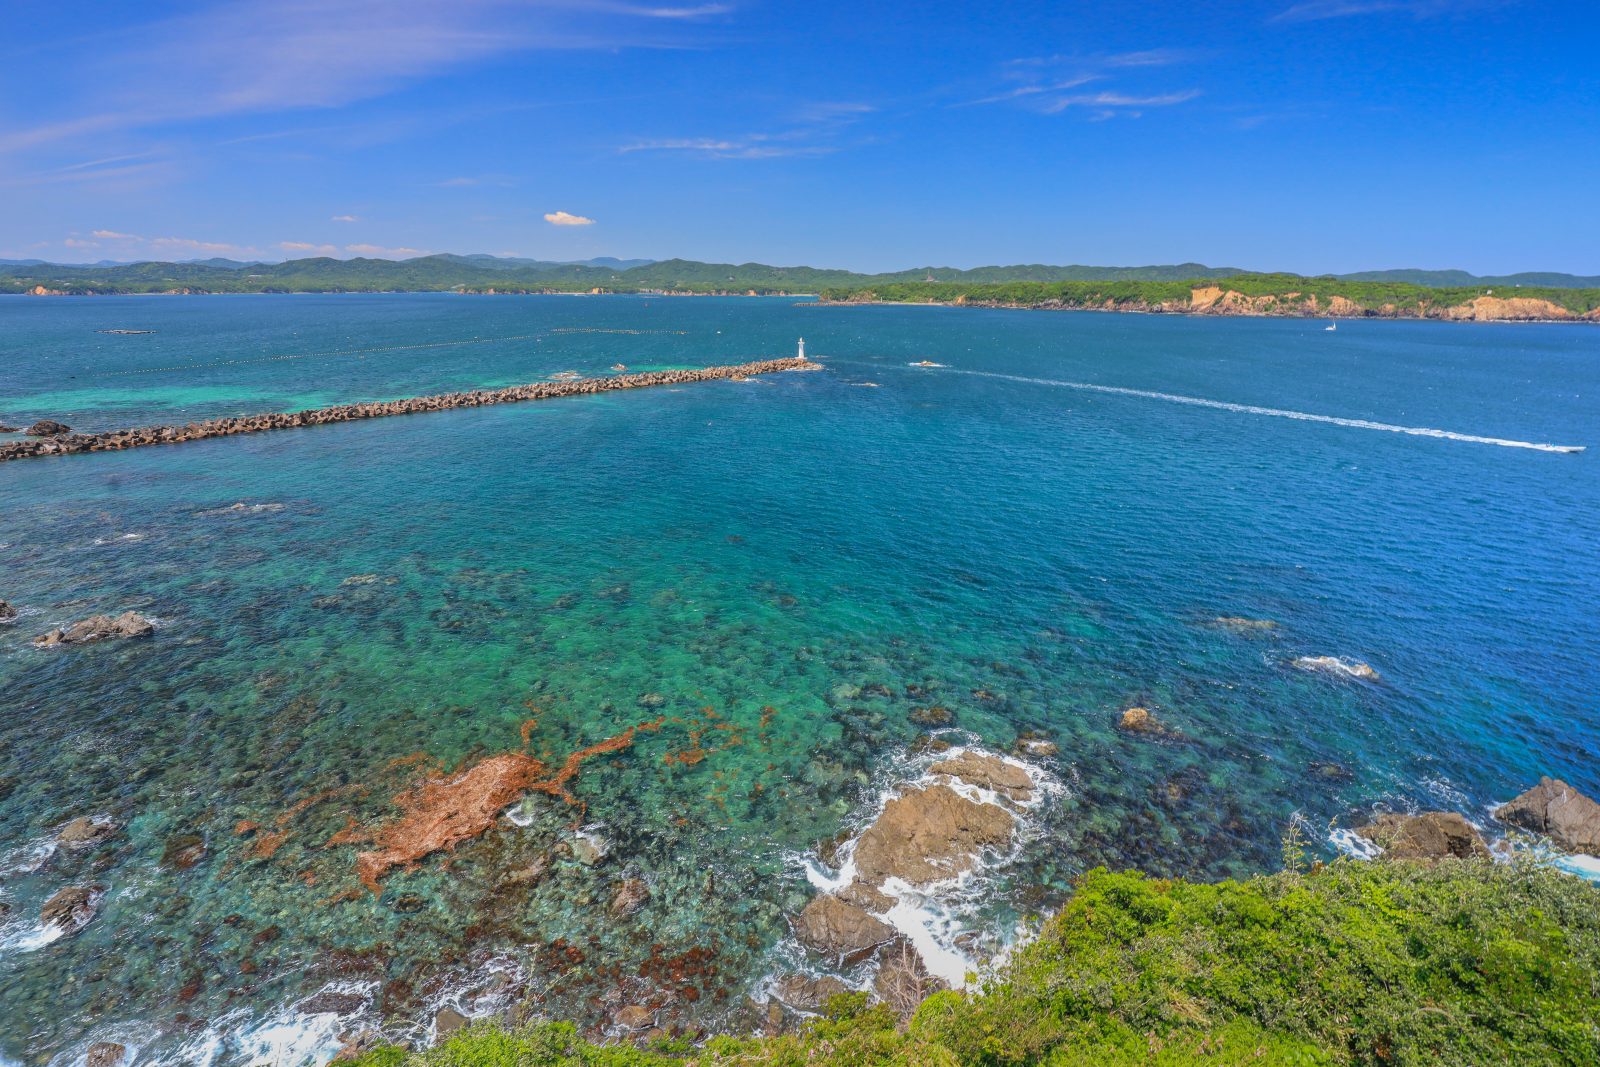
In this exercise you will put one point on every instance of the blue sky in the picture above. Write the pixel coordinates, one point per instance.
(1309, 135)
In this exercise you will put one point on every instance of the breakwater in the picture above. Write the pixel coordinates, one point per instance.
(116, 440)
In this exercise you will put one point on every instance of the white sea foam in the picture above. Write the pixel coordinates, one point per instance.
(286, 1038)
(1277, 413)
(1349, 843)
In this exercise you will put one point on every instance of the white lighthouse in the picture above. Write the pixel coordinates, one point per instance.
(802, 352)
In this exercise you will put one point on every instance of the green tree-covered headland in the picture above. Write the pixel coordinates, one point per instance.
(1460, 963)
(1184, 288)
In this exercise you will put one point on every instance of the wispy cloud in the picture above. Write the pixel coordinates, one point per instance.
(562, 218)
(308, 248)
(238, 57)
(380, 252)
(345, 218)
(815, 129)
(1314, 10)
(1046, 84)
(113, 235)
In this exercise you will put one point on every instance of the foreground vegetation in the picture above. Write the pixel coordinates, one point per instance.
(1465, 962)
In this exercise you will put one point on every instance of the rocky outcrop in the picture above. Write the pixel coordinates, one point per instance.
(988, 772)
(1143, 722)
(113, 440)
(842, 931)
(71, 908)
(47, 428)
(85, 831)
(1558, 811)
(1344, 668)
(928, 834)
(99, 628)
(7, 612)
(1433, 835)
(105, 1054)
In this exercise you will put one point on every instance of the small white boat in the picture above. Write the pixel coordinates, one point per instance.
(1330, 327)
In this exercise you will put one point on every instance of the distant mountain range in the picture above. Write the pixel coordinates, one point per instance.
(480, 273)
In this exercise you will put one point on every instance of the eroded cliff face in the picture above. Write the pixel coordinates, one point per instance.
(1216, 300)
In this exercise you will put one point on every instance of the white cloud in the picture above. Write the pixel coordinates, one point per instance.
(113, 235)
(562, 218)
(306, 246)
(345, 218)
(1046, 83)
(73, 242)
(452, 183)
(380, 252)
(756, 146)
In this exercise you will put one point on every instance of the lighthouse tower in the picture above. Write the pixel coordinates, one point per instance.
(802, 354)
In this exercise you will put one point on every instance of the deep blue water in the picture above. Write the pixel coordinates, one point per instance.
(1030, 555)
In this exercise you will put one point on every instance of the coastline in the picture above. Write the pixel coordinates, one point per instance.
(1399, 314)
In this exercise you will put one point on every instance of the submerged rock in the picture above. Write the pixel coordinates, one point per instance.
(1036, 747)
(47, 428)
(183, 851)
(805, 993)
(630, 896)
(72, 908)
(934, 716)
(99, 628)
(1243, 625)
(105, 1054)
(1430, 836)
(843, 931)
(7, 612)
(1344, 668)
(85, 831)
(1558, 811)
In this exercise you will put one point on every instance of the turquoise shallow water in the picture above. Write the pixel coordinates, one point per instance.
(808, 557)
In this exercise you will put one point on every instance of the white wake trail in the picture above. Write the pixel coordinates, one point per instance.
(1278, 413)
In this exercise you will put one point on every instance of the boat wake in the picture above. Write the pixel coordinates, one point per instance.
(1278, 413)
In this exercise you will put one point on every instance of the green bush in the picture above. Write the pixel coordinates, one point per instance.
(1465, 962)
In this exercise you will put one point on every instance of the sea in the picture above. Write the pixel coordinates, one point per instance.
(1064, 516)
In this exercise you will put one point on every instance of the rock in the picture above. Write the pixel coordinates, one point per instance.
(866, 897)
(1334, 665)
(805, 993)
(84, 831)
(7, 612)
(447, 1021)
(903, 981)
(589, 850)
(1330, 771)
(47, 428)
(183, 851)
(331, 1002)
(9, 429)
(99, 628)
(937, 715)
(1141, 721)
(1240, 624)
(1431, 836)
(72, 908)
(105, 1054)
(988, 772)
(630, 896)
(1037, 747)
(842, 931)
(635, 1017)
(652, 701)
(928, 834)
(1558, 811)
